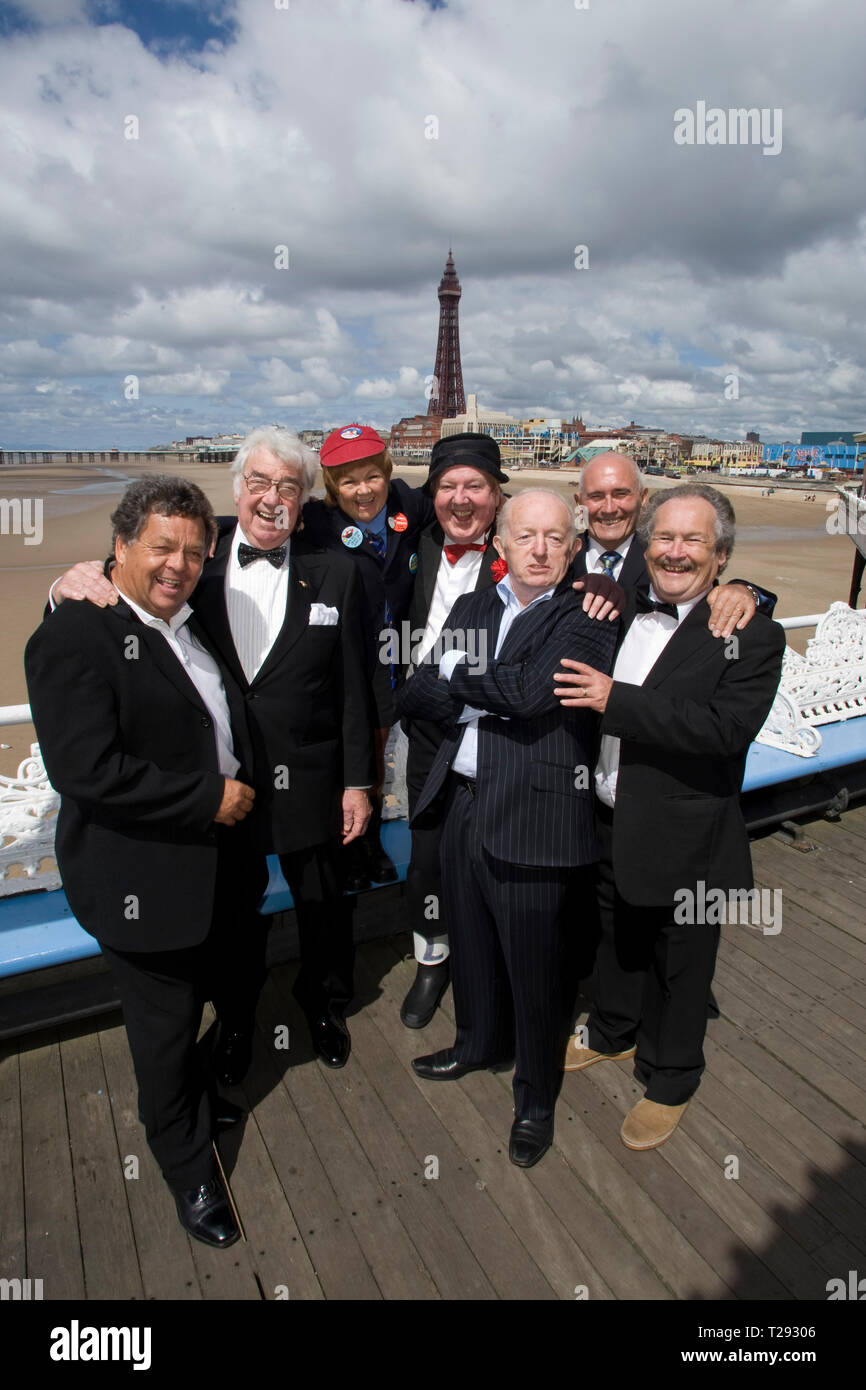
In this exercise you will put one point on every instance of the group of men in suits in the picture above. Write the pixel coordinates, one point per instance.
(456, 556)
(243, 726)
(496, 809)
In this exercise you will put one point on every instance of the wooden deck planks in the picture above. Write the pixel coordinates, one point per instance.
(329, 1168)
(325, 1230)
(799, 1041)
(51, 1217)
(442, 1123)
(162, 1247)
(759, 1259)
(13, 1240)
(107, 1248)
(371, 1209)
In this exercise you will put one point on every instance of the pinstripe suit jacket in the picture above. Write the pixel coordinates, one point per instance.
(534, 774)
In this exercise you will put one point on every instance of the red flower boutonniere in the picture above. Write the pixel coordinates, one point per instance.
(499, 569)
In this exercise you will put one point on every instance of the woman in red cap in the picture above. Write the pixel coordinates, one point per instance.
(378, 520)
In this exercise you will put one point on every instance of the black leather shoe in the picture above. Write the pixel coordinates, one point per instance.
(232, 1057)
(225, 1115)
(422, 1001)
(443, 1066)
(331, 1041)
(530, 1140)
(207, 1214)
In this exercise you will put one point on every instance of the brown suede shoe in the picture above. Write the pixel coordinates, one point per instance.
(648, 1124)
(577, 1057)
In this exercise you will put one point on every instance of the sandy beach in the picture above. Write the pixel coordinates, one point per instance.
(782, 544)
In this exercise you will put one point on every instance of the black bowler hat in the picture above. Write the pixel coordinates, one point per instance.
(465, 451)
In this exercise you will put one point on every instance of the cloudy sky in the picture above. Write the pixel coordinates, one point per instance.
(155, 154)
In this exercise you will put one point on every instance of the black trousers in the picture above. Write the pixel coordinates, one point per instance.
(505, 929)
(653, 978)
(162, 994)
(325, 981)
(424, 902)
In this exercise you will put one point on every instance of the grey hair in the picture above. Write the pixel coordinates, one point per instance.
(503, 520)
(288, 449)
(638, 476)
(166, 496)
(726, 521)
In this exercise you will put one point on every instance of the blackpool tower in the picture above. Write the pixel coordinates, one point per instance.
(447, 398)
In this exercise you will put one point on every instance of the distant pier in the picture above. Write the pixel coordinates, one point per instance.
(85, 458)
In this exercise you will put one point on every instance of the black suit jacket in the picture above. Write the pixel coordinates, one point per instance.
(429, 557)
(534, 777)
(308, 705)
(129, 745)
(685, 735)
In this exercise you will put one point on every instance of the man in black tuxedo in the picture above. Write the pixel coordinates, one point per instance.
(678, 715)
(284, 617)
(143, 735)
(514, 771)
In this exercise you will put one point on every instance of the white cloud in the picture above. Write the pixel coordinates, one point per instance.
(156, 255)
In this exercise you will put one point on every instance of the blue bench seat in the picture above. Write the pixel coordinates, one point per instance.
(38, 929)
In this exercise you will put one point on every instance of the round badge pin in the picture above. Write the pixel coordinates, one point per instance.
(351, 537)
(413, 563)
(399, 522)
(352, 432)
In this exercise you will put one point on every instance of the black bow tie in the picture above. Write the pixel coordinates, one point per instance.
(645, 604)
(248, 553)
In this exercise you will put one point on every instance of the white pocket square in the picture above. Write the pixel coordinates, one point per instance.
(323, 616)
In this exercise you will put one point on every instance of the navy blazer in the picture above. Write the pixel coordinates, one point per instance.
(534, 774)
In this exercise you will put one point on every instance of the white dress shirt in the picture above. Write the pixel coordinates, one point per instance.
(202, 671)
(595, 550)
(642, 646)
(466, 758)
(451, 582)
(256, 597)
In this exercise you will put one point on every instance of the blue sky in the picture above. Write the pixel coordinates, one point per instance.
(154, 157)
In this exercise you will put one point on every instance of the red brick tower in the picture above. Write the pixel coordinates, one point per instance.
(447, 398)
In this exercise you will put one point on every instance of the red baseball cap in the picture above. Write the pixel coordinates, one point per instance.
(349, 444)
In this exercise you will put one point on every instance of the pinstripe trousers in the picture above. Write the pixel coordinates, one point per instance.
(504, 930)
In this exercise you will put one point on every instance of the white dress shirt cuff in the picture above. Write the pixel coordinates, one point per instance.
(448, 661)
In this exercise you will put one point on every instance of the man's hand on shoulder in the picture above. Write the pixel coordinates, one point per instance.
(356, 813)
(603, 597)
(732, 606)
(84, 581)
(237, 802)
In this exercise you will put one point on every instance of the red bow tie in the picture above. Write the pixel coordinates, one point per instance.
(453, 552)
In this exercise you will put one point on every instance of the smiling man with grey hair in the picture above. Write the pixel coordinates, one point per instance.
(677, 717)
